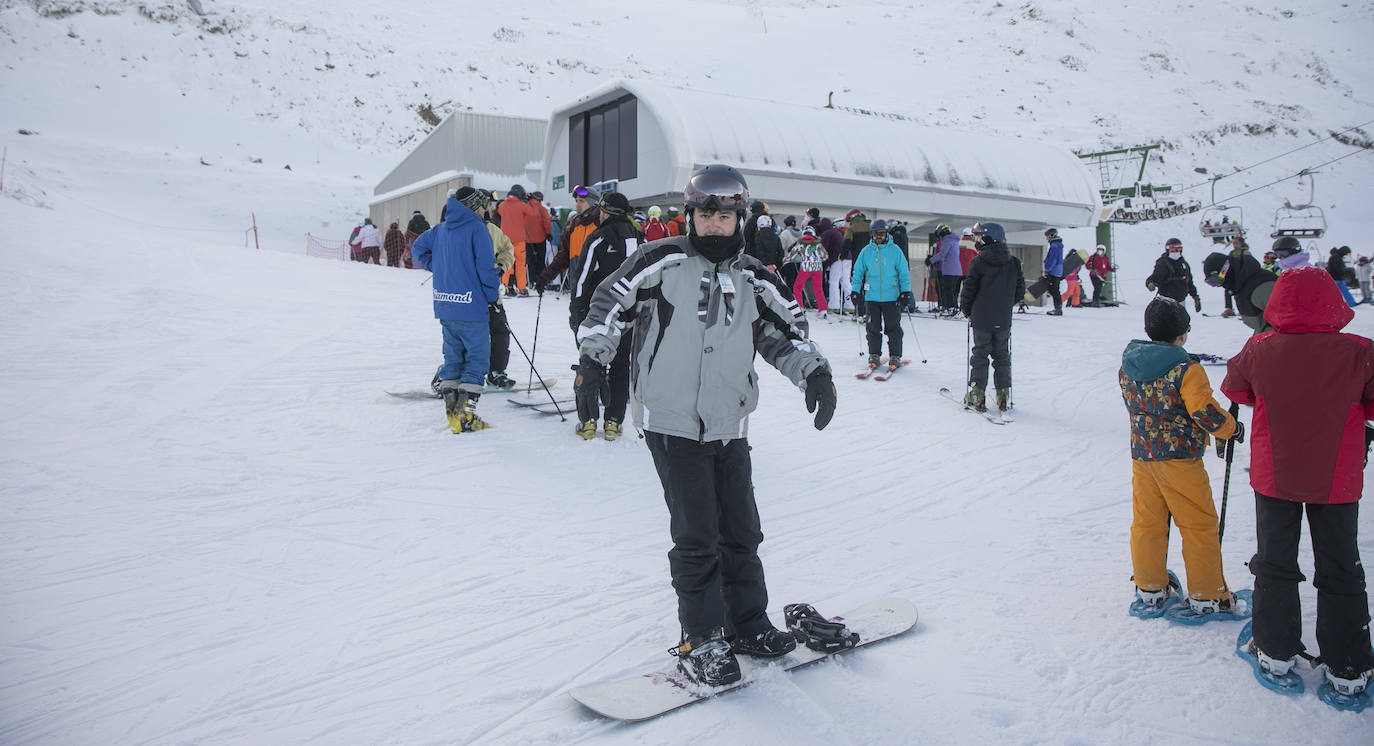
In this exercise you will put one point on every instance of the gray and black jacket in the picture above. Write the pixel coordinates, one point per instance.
(697, 327)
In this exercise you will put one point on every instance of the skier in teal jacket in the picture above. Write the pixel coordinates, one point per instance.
(882, 279)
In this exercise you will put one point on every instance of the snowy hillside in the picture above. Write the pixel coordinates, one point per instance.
(216, 527)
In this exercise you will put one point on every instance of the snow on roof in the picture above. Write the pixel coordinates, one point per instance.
(839, 144)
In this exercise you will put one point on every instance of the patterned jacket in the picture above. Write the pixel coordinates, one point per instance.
(1169, 400)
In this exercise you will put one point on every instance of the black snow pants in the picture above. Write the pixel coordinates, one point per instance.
(1098, 282)
(1052, 286)
(949, 290)
(884, 316)
(500, 338)
(1342, 602)
(615, 388)
(994, 343)
(714, 522)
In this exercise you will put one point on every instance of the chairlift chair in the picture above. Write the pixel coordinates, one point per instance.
(1220, 223)
(1301, 221)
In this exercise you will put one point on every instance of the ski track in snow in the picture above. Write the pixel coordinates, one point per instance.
(219, 528)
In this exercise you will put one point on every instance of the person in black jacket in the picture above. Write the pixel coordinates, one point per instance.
(1173, 276)
(751, 226)
(767, 246)
(1240, 274)
(606, 249)
(991, 289)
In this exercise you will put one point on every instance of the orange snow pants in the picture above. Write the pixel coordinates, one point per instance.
(518, 269)
(1179, 488)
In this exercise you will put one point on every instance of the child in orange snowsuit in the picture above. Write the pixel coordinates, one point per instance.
(1172, 411)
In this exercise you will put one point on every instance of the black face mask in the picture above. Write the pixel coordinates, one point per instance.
(716, 249)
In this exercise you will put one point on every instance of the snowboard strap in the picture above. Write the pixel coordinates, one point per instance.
(815, 631)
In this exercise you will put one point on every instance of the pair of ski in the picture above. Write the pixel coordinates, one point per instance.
(664, 690)
(882, 372)
(993, 416)
(542, 405)
(422, 394)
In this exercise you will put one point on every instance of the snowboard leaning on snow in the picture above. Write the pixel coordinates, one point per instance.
(666, 689)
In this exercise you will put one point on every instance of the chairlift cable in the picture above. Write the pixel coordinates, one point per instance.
(1303, 172)
(1331, 136)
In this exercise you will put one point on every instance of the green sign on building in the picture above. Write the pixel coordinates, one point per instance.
(558, 181)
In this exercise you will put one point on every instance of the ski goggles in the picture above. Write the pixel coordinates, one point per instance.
(580, 191)
(880, 236)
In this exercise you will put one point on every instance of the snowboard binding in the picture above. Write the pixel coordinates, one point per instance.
(815, 631)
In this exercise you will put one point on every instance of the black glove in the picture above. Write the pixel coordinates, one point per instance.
(856, 298)
(904, 298)
(589, 375)
(1150, 285)
(1239, 437)
(820, 390)
(539, 288)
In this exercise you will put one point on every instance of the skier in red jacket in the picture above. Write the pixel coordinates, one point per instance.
(1312, 389)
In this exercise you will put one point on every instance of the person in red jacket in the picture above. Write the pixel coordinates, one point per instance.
(513, 212)
(1312, 389)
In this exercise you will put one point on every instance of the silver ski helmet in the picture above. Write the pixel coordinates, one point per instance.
(716, 187)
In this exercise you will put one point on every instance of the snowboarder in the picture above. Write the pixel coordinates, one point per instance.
(1099, 266)
(607, 248)
(459, 253)
(1054, 270)
(1309, 450)
(1337, 266)
(994, 285)
(1173, 276)
(882, 280)
(1172, 410)
(702, 312)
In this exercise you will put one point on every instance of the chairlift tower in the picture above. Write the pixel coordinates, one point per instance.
(1131, 202)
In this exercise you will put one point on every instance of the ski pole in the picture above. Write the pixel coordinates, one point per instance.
(532, 369)
(915, 338)
(1226, 481)
(534, 344)
(968, 355)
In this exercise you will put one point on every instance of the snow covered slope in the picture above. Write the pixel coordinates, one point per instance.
(216, 527)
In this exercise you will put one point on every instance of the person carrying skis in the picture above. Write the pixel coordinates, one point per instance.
(1099, 266)
(607, 248)
(1054, 270)
(459, 253)
(993, 286)
(1312, 388)
(1173, 276)
(702, 310)
(1169, 400)
(882, 280)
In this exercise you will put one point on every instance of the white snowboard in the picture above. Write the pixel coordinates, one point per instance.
(652, 694)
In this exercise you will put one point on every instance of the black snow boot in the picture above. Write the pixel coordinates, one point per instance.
(770, 643)
(706, 659)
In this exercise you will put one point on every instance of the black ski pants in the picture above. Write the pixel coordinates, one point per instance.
(884, 316)
(1052, 286)
(500, 338)
(1342, 602)
(714, 522)
(949, 290)
(615, 388)
(992, 343)
(1098, 283)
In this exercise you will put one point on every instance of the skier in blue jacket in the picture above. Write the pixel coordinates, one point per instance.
(882, 278)
(1054, 269)
(459, 253)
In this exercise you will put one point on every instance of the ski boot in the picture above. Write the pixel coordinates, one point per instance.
(1003, 400)
(874, 361)
(706, 659)
(585, 430)
(498, 379)
(1055, 312)
(611, 430)
(815, 631)
(460, 403)
(976, 399)
(770, 643)
(1228, 313)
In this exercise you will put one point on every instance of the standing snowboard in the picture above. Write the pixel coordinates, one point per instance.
(1073, 261)
(661, 691)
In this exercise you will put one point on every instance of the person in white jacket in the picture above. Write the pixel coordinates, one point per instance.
(370, 243)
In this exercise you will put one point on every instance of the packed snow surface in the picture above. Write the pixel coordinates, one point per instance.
(217, 527)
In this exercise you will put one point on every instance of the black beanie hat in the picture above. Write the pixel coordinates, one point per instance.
(1166, 320)
(470, 198)
(1213, 263)
(615, 203)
